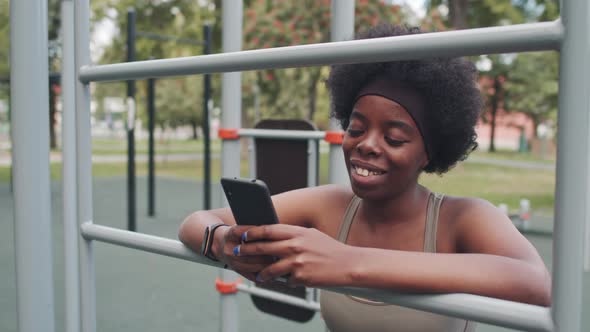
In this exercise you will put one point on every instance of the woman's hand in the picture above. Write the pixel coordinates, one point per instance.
(225, 250)
(308, 256)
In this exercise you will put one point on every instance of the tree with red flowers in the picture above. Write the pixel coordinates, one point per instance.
(273, 23)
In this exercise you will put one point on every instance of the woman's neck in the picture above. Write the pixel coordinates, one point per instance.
(397, 209)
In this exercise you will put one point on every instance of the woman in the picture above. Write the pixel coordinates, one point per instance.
(387, 231)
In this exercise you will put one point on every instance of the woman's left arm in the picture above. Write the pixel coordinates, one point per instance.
(495, 260)
(511, 267)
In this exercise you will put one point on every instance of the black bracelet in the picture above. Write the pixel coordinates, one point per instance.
(208, 241)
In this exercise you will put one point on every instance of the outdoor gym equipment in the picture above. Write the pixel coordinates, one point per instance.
(132, 35)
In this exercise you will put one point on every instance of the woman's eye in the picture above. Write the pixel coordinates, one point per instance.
(394, 142)
(354, 132)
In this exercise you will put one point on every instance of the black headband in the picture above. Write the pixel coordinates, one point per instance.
(410, 99)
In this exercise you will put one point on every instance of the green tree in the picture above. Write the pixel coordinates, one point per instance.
(178, 102)
(533, 85)
(174, 106)
(533, 81)
(461, 14)
(273, 23)
(54, 24)
(4, 58)
(54, 52)
(493, 88)
(4, 47)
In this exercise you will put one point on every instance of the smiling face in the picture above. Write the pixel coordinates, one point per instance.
(383, 149)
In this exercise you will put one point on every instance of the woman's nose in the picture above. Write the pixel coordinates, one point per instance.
(370, 145)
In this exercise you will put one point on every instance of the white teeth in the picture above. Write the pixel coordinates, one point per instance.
(364, 171)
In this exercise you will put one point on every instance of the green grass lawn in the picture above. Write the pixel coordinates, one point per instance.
(497, 184)
(170, 146)
(119, 146)
(514, 155)
(190, 169)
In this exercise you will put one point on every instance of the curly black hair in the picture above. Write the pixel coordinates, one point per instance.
(448, 85)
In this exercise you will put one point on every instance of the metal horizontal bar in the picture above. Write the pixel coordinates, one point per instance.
(504, 39)
(272, 295)
(510, 314)
(282, 134)
(473, 307)
(144, 242)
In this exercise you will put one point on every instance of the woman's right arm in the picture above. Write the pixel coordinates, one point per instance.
(192, 229)
(302, 207)
(226, 238)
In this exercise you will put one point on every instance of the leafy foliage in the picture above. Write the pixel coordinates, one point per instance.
(4, 37)
(293, 92)
(4, 56)
(182, 110)
(534, 72)
(54, 23)
(179, 102)
(521, 82)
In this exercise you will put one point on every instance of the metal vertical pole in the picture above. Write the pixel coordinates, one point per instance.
(70, 218)
(231, 104)
(84, 167)
(342, 28)
(151, 106)
(131, 224)
(571, 199)
(312, 162)
(206, 134)
(11, 137)
(30, 151)
(252, 157)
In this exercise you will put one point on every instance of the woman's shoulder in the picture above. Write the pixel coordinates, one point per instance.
(460, 206)
(330, 193)
(314, 206)
(471, 219)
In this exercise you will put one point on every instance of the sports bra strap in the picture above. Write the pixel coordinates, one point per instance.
(434, 202)
(353, 206)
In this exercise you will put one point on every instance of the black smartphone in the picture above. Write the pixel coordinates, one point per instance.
(249, 200)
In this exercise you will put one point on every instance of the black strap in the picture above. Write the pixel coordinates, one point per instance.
(208, 240)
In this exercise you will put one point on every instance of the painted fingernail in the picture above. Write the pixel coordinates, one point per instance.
(244, 237)
(237, 251)
(259, 277)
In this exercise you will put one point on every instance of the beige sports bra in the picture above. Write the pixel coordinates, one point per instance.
(344, 313)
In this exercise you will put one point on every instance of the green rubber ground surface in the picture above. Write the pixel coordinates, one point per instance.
(138, 291)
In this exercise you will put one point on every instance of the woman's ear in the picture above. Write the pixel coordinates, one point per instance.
(425, 163)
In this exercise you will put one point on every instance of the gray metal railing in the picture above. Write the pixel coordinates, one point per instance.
(493, 311)
(504, 39)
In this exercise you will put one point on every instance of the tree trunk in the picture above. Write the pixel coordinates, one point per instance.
(494, 111)
(458, 13)
(312, 93)
(194, 127)
(536, 120)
